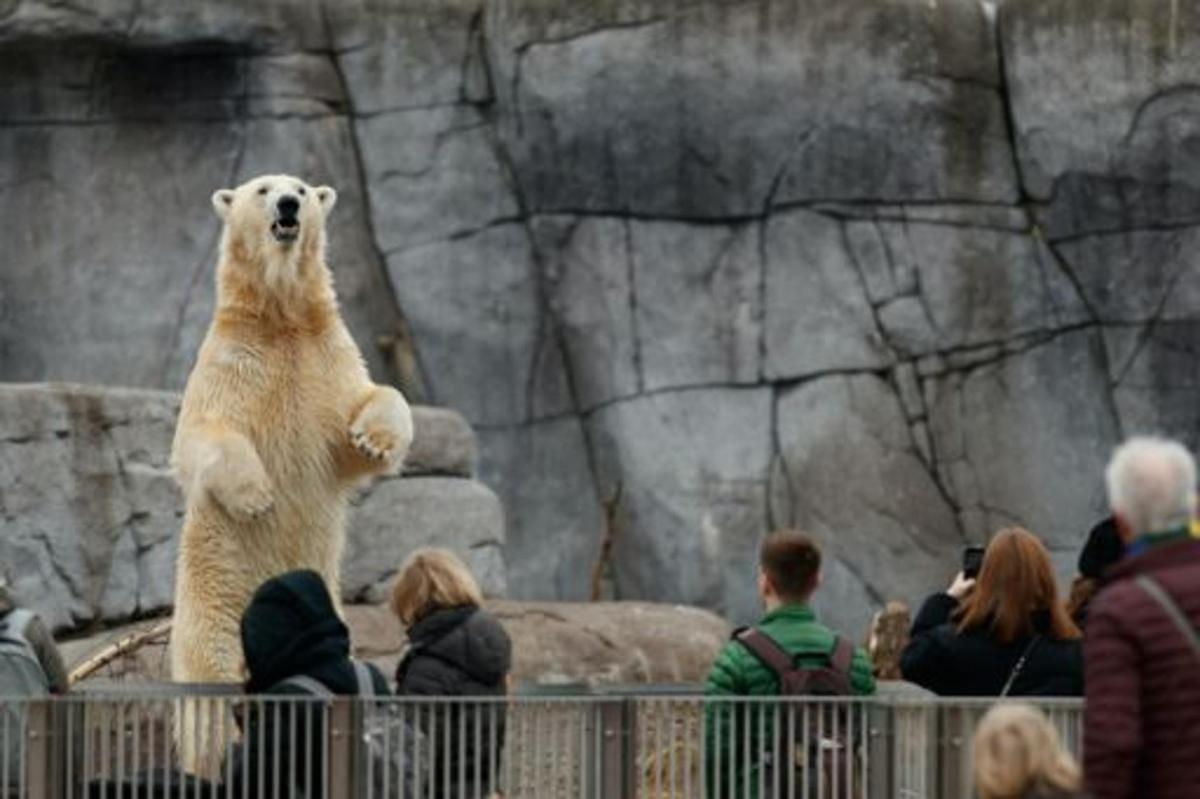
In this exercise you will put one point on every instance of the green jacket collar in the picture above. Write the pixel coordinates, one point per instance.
(790, 612)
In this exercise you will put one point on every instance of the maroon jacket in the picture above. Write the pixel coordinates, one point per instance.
(1142, 681)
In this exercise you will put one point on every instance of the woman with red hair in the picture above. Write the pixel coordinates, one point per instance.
(1004, 634)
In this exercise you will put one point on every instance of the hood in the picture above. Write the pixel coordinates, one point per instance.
(1102, 550)
(291, 628)
(467, 637)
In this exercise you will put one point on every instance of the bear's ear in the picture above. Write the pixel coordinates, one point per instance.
(327, 197)
(222, 200)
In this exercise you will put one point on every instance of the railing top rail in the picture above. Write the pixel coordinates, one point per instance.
(160, 692)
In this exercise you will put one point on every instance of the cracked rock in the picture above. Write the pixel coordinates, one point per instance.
(394, 517)
(554, 525)
(637, 97)
(91, 513)
(694, 467)
(856, 483)
(1024, 439)
(486, 339)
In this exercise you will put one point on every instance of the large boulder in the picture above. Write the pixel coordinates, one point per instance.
(554, 643)
(92, 513)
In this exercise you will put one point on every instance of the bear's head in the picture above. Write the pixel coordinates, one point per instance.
(275, 223)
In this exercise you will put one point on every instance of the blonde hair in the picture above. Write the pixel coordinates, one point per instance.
(1018, 753)
(430, 579)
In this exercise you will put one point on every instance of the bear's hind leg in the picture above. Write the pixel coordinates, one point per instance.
(208, 651)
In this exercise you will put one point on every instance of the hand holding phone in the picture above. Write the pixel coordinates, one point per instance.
(972, 561)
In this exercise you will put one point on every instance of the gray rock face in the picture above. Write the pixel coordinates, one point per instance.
(92, 514)
(395, 517)
(880, 270)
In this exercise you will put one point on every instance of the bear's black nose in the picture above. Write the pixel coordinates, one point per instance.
(288, 205)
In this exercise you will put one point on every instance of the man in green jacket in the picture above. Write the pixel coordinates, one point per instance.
(737, 738)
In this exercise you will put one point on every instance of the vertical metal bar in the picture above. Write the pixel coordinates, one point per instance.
(38, 756)
(477, 751)
(6, 738)
(444, 751)
(713, 782)
(496, 785)
(807, 734)
(790, 738)
(613, 771)
(760, 745)
(742, 769)
(512, 744)
(672, 746)
(341, 740)
(368, 712)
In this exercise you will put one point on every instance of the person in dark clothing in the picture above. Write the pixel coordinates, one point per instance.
(31, 629)
(295, 645)
(1008, 635)
(1102, 550)
(455, 649)
(1141, 656)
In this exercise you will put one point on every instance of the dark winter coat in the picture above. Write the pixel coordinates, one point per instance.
(950, 663)
(42, 643)
(460, 652)
(291, 629)
(1143, 695)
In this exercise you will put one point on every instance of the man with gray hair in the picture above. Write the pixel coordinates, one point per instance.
(1141, 647)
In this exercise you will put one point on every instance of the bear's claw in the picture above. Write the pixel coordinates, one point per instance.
(369, 445)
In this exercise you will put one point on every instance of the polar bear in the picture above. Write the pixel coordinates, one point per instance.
(278, 424)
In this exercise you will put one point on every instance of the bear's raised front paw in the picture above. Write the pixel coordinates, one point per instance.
(246, 498)
(377, 442)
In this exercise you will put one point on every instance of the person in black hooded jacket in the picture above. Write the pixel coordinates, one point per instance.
(455, 649)
(291, 635)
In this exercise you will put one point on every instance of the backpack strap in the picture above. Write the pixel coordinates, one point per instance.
(308, 685)
(843, 655)
(763, 647)
(366, 682)
(1160, 595)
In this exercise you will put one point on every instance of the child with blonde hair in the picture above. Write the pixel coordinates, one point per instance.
(1018, 756)
(455, 648)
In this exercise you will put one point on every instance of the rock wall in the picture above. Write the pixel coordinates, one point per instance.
(895, 271)
(92, 515)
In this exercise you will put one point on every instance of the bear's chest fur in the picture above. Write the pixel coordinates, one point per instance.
(291, 400)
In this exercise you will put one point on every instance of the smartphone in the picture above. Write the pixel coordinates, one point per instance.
(972, 560)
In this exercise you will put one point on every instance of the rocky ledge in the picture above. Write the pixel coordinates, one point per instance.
(92, 515)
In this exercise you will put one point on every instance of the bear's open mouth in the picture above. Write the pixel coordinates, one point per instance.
(285, 230)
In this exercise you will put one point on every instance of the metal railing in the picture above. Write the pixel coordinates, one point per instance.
(594, 747)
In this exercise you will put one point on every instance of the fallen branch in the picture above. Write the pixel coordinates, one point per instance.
(612, 506)
(125, 646)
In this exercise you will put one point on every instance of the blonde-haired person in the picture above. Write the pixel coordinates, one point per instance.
(1018, 756)
(455, 648)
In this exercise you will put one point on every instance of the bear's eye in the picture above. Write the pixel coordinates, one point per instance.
(301, 190)
(262, 189)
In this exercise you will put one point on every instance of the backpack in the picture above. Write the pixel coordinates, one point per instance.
(395, 752)
(21, 675)
(818, 754)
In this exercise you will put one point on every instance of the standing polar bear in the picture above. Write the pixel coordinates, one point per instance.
(279, 422)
